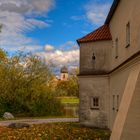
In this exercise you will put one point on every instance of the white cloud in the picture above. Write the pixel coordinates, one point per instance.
(96, 13)
(59, 57)
(26, 6)
(18, 17)
(49, 47)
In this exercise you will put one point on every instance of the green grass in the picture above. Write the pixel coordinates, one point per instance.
(70, 100)
(54, 131)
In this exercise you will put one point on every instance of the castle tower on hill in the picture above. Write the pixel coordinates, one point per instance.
(64, 74)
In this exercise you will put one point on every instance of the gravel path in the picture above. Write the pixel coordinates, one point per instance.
(39, 121)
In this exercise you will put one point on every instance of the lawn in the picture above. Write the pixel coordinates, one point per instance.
(54, 131)
(70, 100)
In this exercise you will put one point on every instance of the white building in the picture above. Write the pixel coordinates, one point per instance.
(109, 76)
(64, 74)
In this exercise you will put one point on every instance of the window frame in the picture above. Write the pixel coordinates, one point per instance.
(118, 100)
(128, 34)
(116, 48)
(95, 103)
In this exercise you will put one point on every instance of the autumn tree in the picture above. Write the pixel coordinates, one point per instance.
(70, 87)
(25, 86)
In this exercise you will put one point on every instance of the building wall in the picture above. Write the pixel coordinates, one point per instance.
(91, 86)
(113, 85)
(101, 50)
(118, 80)
(126, 125)
(117, 84)
(131, 129)
(106, 87)
(64, 76)
(127, 11)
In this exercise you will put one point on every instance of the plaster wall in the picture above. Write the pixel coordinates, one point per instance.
(127, 11)
(131, 129)
(101, 64)
(127, 124)
(117, 84)
(91, 87)
(104, 86)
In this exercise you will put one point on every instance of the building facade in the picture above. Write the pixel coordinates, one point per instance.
(64, 74)
(109, 78)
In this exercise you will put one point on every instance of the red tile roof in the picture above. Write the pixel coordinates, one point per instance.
(102, 33)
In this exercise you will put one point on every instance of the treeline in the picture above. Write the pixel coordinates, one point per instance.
(68, 88)
(26, 87)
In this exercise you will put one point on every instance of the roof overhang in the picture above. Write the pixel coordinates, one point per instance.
(112, 11)
(100, 34)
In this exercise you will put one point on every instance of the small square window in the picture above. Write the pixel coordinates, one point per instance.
(95, 104)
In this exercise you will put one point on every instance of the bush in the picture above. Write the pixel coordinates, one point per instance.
(25, 85)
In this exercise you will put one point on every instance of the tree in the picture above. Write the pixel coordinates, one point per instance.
(70, 87)
(25, 88)
(73, 88)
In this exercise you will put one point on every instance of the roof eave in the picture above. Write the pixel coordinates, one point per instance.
(112, 10)
(93, 41)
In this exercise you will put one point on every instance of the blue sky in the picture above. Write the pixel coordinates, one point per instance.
(49, 28)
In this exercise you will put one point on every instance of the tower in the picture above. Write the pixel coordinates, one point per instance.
(64, 73)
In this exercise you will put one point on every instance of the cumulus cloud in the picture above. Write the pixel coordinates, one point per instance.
(96, 12)
(60, 57)
(18, 17)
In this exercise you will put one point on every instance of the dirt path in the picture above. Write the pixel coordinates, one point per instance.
(39, 121)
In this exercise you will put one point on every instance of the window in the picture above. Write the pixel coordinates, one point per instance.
(116, 48)
(93, 57)
(95, 103)
(113, 104)
(128, 34)
(117, 103)
(64, 76)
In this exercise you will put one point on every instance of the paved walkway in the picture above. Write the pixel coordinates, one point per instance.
(39, 121)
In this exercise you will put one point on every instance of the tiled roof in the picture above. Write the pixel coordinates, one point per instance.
(102, 33)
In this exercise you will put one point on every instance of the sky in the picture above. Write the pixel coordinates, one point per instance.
(50, 28)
